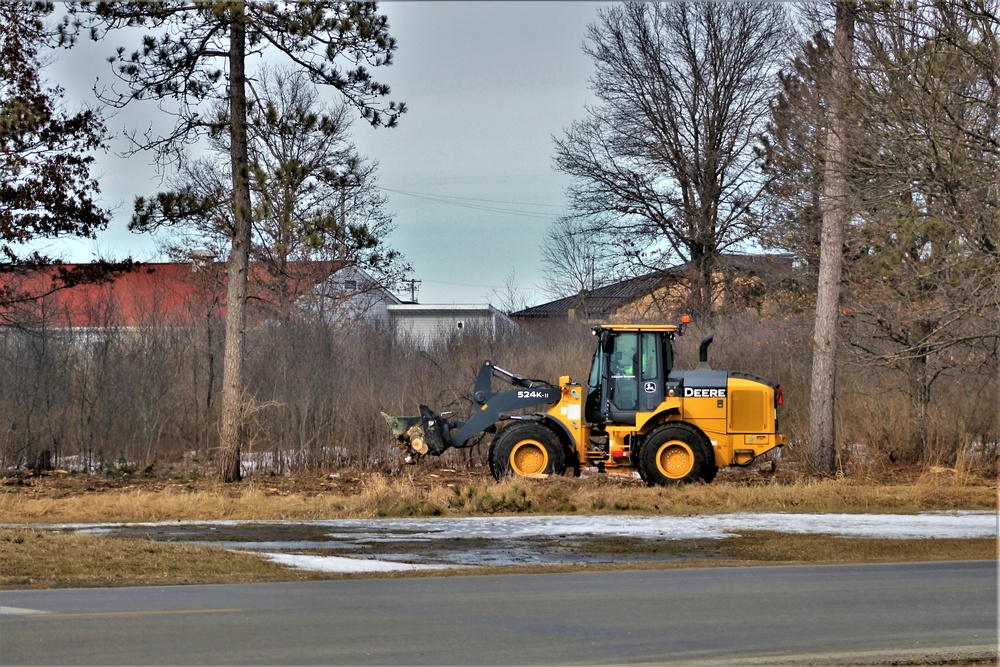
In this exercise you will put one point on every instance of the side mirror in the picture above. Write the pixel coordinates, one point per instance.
(608, 343)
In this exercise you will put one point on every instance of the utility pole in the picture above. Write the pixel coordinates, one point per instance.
(413, 288)
(342, 249)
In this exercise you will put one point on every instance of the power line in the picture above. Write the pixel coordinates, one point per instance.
(490, 201)
(442, 282)
(461, 202)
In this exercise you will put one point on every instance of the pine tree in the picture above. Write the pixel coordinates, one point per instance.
(923, 263)
(46, 189)
(201, 54)
(836, 211)
(313, 198)
(920, 263)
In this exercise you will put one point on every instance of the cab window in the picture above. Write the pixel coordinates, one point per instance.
(649, 354)
(624, 367)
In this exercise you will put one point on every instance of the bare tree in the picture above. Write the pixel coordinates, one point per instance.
(666, 158)
(577, 257)
(509, 298)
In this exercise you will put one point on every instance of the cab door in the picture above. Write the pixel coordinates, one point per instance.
(623, 369)
(651, 371)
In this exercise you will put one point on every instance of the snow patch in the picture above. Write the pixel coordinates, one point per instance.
(340, 564)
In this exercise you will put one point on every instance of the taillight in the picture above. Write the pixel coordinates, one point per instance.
(781, 395)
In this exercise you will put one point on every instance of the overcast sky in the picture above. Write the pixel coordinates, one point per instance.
(468, 172)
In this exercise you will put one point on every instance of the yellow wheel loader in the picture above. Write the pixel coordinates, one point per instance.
(636, 414)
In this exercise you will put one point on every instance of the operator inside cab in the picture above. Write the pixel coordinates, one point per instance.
(624, 361)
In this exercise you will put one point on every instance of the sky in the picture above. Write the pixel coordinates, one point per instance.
(468, 172)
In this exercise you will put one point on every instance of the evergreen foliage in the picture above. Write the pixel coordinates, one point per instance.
(46, 155)
(921, 263)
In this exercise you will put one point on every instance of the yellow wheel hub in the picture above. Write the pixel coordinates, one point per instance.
(529, 457)
(675, 459)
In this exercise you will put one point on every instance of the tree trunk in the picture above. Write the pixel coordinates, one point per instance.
(206, 436)
(920, 391)
(822, 453)
(231, 435)
(701, 272)
(920, 399)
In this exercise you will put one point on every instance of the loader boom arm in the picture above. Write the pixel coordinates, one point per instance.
(489, 407)
(432, 433)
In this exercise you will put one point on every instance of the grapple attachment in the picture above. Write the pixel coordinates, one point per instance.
(419, 436)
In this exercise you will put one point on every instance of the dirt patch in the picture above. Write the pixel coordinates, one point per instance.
(64, 483)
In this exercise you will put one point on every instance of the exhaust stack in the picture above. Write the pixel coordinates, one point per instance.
(703, 364)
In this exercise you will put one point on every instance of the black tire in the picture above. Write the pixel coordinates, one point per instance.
(636, 455)
(526, 449)
(711, 468)
(572, 463)
(673, 453)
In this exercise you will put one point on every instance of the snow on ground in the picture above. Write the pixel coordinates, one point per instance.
(904, 526)
(340, 564)
(957, 524)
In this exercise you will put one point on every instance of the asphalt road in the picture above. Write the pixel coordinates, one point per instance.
(762, 615)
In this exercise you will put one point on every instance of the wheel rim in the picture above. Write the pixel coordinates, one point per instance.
(675, 459)
(529, 457)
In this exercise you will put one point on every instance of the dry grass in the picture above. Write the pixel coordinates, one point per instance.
(41, 559)
(451, 493)
(320, 394)
(771, 547)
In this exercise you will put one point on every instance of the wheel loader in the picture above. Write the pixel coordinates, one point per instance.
(636, 414)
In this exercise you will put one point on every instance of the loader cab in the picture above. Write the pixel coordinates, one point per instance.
(628, 373)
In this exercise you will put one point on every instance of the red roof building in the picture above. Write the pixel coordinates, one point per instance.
(151, 295)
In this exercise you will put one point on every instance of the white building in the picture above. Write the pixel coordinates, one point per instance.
(425, 325)
(350, 295)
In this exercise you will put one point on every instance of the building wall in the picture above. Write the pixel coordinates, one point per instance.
(427, 325)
